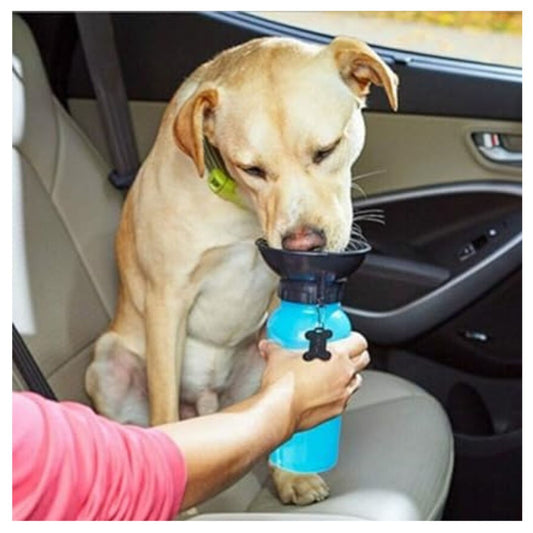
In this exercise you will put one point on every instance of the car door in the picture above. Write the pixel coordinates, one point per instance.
(440, 296)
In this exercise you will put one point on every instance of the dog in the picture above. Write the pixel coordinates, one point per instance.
(286, 118)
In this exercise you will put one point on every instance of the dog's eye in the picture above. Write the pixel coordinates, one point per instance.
(256, 172)
(320, 155)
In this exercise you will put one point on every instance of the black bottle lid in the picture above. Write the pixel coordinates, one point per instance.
(312, 277)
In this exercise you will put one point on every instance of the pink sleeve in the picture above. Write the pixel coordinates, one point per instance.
(71, 464)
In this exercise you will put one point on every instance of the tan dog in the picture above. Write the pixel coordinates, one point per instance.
(286, 118)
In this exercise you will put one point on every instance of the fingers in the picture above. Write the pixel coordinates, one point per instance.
(352, 346)
(269, 349)
(352, 387)
(354, 384)
(264, 347)
(361, 361)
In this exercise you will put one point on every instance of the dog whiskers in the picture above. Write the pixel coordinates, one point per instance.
(370, 210)
(370, 215)
(357, 239)
(368, 174)
(368, 218)
(357, 187)
(363, 215)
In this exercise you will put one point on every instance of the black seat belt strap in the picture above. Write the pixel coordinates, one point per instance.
(29, 369)
(98, 42)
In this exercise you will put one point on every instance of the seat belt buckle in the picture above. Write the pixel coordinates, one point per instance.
(122, 181)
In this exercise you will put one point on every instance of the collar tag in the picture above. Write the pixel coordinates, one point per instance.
(219, 180)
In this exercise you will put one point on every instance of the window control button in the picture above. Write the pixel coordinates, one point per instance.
(466, 252)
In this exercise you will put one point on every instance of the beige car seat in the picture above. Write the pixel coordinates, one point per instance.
(397, 447)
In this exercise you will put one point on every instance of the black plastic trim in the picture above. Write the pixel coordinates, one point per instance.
(441, 189)
(409, 271)
(410, 321)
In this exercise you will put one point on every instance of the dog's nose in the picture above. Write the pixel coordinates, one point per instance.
(304, 239)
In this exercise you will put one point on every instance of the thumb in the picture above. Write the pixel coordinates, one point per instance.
(265, 347)
(269, 349)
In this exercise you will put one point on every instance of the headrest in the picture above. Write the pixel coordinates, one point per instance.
(35, 127)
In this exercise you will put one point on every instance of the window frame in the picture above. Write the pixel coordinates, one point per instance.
(429, 84)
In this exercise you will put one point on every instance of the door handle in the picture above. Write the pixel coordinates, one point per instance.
(500, 148)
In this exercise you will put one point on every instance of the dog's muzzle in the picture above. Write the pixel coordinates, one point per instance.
(304, 239)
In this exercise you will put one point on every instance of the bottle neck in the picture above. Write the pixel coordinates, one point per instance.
(305, 292)
(308, 308)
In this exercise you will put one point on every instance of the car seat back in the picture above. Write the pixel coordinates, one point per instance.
(64, 217)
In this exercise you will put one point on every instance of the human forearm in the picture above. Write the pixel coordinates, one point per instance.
(68, 463)
(220, 448)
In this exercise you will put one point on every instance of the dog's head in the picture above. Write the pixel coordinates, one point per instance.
(286, 118)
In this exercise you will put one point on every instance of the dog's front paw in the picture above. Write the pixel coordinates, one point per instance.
(299, 489)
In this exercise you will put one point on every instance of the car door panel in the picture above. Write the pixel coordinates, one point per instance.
(405, 151)
(440, 249)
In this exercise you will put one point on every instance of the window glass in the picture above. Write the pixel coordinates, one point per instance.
(486, 36)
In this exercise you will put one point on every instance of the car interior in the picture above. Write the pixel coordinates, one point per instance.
(435, 433)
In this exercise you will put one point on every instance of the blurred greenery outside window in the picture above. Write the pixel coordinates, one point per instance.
(485, 36)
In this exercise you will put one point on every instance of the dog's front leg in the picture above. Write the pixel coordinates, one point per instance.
(166, 319)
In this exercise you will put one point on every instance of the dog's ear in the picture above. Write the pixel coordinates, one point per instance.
(189, 125)
(360, 66)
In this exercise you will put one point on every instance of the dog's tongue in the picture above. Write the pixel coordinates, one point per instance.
(303, 240)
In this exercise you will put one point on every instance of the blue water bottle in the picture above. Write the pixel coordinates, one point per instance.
(309, 316)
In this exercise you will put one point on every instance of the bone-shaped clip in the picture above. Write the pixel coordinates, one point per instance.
(317, 344)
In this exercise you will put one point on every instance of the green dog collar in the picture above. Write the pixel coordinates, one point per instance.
(219, 180)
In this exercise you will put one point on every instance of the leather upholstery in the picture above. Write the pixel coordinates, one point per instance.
(395, 461)
(65, 215)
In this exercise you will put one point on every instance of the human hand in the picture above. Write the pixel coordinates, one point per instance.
(319, 390)
(294, 395)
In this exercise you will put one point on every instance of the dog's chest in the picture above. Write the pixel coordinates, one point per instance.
(233, 296)
(231, 306)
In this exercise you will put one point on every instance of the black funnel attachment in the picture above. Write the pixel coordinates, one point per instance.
(312, 277)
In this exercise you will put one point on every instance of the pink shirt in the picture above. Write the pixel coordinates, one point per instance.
(71, 464)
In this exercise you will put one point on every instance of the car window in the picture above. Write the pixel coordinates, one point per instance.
(485, 36)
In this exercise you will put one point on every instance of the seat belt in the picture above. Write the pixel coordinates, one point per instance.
(98, 43)
(29, 369)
